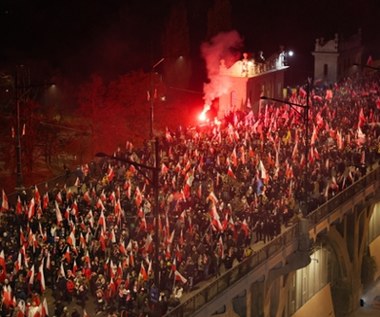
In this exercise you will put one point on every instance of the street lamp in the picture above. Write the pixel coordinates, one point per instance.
(152, 95)
(154, 180)
(305, 115)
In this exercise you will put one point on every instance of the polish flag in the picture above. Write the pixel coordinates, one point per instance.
(62, 270)
(263, 171)
(77, 182)
(74, 208)
(122, 248)
(86, 197)
(215, 219)
(143, 274)
(102, 240)
(45, 201)
(112, 197)
(362, 118)
(234, 157)
(18, 263)
(44, 308)
(150, 268)
(138, 197)
(148, 243)
(110, 173)
(67, 255)
(112, 236)
(244, 227)
(31, 209)
(75, 267)
(2, 260)
(58, 198)
(170, 238)
(4, 202)
(230, 173)
(7, 296)
(41, 276)
(212, 198)
(103, 196)
(19, 209)
(164, 169)
(127, 188)
(102, 221)
(91, 218)
(86, 258)
(314, 136)
(82, 241)
(71, 239)
(179, 277)
(58, 213)
(31, 275)
(21, 309)
(99, 204)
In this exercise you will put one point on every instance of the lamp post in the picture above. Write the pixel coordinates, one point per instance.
(24, 85)
(305, 115)
(19, 178)
(152, 95)
(154, 180)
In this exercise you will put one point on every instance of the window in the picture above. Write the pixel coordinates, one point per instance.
(325, 70)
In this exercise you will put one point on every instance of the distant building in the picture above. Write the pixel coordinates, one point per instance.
(248, 79)
(333, 59)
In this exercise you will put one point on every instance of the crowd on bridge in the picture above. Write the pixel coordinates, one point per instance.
(223, 187)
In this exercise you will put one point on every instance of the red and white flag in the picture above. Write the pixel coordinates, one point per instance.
(230, 172)
(138, 197)
(19, 209)
(71, 239)
(4, 202)
(179, 277)
(87, 197)
(45, 201)
(31, 209)
(215, 219)
(41, 276)
(7, 296)
(143, 274)
(110, 173)
(44, 308)
(102, 221)
(362, 119)
(31, 275)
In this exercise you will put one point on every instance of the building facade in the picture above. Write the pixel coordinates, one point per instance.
(248, 80)
(334, 59)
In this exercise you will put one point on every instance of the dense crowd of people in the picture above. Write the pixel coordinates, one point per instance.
(223, 187)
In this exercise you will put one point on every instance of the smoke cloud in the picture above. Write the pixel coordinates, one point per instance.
(224, 46)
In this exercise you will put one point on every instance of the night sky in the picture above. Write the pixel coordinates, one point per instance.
(114, 36)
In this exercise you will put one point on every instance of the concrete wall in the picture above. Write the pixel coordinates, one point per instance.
(319, 305)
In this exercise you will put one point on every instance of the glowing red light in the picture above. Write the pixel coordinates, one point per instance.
(202, 116)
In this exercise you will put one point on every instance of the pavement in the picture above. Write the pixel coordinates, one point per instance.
(368, 310)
